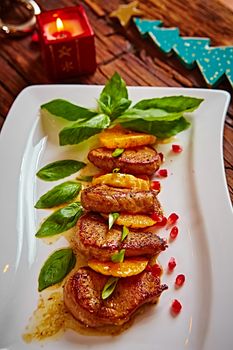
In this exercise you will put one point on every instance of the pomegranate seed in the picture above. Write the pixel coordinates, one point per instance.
(155, 185)
(148, 268)
(174, 232)
(162, 173)
(171, 264)
(180, 279)
(172, 219)
(176, 307)
(157, 217)
(156, 270)
(177, 148)
(162, 223)
(161, 157)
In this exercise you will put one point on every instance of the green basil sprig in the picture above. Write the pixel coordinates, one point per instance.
(61, 220)
(66, 110)
(56, 267)
(109, 287)
(161, 116)
(59, 169)
(83, 130)
(113, 99)
(112, 217)
(60, 194)
(118, 257)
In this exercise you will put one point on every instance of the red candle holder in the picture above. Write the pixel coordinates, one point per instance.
(67, 42)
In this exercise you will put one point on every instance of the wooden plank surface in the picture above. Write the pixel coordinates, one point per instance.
(124, 50)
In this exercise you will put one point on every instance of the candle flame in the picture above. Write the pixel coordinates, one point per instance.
(59, 24)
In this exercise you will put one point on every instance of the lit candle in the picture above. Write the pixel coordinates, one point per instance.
(63, 28)
(67, 42)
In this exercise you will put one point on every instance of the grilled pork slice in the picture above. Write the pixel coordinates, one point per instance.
(95, 240)
(82, 297)
(106, 199)
(138, 161)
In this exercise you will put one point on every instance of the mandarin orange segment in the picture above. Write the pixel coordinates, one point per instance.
(122, 181)
(121, 138)
(128, 267)
(135, 221)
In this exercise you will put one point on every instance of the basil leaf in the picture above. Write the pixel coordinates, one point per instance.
(155, 122)
(125, 233)
(56, 267)
(118, 257)
(109, 287)
(82, 130)
(61, 220)
(60, 194)
(171, 103)
(161, 129)
(117, 152)
(113, 99)
(69, 111)
(112, 217)
(60, 169)
(85, 178)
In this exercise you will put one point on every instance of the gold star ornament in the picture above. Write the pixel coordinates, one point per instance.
(125, 12)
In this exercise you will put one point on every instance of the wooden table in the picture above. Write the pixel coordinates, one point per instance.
(123, 50)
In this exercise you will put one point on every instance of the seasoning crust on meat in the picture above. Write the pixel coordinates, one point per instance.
(137, 161)
(105, 199)
(82, 296)
(93, 239)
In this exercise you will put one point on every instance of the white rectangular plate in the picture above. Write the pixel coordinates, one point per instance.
(195, 189)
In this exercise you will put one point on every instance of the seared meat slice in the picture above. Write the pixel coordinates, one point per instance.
(82, 297)
(138, 161)
(105, 199)
(95, 240)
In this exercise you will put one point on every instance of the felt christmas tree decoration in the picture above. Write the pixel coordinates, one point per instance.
(214, 62)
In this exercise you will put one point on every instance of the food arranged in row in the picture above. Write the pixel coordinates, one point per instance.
(121, 252)
(114, 215)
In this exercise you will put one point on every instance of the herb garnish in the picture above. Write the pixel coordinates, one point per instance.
(109, 287)
(162, 117)
(60, 194)
(125, 232)
(117, 152)
(61, 220)
(60, 169)
(56, 267)
(112, 217)
(118, 257)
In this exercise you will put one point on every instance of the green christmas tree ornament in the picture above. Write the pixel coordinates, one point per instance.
(189, 50)
(165, 38)
(145, 26)
(214, 63)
